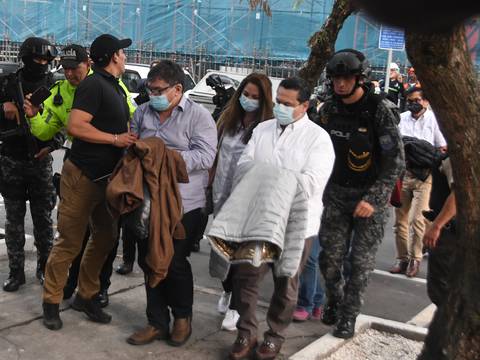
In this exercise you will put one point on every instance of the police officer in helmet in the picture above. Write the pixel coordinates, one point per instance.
(368, 161)
(26, 176)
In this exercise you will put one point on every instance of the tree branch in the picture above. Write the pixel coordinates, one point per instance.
(322, 43)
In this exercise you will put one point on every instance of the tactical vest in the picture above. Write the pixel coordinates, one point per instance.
(16, 146)
(357, 153)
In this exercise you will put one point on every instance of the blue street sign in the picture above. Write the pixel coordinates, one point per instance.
(391, 38)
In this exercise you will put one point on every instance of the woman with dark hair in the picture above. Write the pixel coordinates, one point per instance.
(250, 105)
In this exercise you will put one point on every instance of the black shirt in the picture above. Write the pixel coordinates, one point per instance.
(101, 96)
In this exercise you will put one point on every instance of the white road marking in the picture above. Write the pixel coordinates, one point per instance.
(398, 276)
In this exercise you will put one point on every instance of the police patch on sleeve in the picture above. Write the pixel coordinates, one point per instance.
(386, 142)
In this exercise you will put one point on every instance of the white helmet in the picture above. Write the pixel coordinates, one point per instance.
(394, 66)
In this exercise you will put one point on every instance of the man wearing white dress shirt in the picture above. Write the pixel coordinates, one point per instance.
(418, 122)
(291, 141)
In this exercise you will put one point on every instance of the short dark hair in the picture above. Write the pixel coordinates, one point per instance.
(168, 71)
(298, 84)
(412, 90)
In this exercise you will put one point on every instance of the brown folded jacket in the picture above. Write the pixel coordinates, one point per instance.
(149, 160)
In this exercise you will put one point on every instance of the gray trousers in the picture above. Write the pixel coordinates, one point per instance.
(246, 280)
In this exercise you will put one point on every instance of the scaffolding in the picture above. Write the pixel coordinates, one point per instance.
(223, 29)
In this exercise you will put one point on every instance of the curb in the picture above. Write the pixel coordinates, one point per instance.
(328, 344)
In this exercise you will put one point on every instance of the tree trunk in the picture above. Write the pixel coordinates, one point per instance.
(445, 70)
(322, 43)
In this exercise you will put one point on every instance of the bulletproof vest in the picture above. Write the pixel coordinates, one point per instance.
(440, 191)
(356, 146)
(16, 146)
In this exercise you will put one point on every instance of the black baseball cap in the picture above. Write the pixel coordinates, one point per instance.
(104, 46)
(72, 55)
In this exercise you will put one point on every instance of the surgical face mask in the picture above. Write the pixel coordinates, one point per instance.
(414, 107)
(283, 114)
(159, 102)
(248, 104)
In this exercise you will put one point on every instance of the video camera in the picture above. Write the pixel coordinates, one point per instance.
(222, 94)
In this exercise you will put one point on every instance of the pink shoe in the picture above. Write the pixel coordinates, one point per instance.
(317, 313)
(300, 315)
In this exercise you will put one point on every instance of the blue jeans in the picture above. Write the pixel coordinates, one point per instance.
(310, 293)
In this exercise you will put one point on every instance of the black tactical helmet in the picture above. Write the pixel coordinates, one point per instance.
(348, 62)
(37, 47)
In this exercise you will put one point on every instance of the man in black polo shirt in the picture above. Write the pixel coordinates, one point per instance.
(99, 124)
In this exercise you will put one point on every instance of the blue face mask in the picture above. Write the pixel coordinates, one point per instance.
(159, 102)
(248, 104)
(283, 114)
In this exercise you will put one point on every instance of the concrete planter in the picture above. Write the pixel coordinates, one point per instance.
(328, 344)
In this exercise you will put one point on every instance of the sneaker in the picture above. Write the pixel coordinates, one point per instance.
(224, 302)
(301, 315)
(317, 313)
(229, 323)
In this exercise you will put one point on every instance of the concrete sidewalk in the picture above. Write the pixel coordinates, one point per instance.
(22, 335)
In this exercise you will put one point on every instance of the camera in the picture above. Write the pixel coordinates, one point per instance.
(222, 94)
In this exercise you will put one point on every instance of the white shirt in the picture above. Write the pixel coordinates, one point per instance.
(303, 147)
(424, 128)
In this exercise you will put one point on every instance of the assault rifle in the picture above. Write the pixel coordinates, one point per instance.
(12, 86)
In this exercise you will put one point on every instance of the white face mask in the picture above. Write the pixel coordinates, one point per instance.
(248, 104)
(283, 114)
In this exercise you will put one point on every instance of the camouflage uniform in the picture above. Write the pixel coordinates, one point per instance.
(27, 180)
(372, 181)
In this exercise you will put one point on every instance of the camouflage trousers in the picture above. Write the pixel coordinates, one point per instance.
(349, 247)
(30, 180)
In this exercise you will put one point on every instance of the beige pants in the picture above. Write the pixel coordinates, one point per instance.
(415, 197)
(82, 203)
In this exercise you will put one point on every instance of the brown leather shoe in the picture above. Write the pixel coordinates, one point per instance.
(242, 347)
(400, 267)
(182, 329)
(268, 350)
(413, 268)
(147, 335)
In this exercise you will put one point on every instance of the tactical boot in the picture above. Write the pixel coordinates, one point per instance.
(51, 316)
(102, 298)
(124, 268)
(345, 328)
(15, 279)
(41, 263)
(330, 313)
(92, 309)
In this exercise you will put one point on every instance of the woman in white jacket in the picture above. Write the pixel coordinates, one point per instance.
(250, 105)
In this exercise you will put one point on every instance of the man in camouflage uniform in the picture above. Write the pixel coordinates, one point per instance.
(369, 159)
(26, 177)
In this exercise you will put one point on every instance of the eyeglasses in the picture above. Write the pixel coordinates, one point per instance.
(158, 91)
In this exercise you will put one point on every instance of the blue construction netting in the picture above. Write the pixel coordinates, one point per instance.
(215, 27)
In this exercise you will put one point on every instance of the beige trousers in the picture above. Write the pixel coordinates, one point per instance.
(415, 197)
(82, 204)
